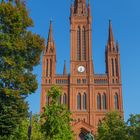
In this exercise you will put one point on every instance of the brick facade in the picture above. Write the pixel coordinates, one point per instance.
(89, 96)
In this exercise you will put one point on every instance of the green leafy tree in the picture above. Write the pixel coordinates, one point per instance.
(12, 111)
(112, 127)
(134, 127)
(56, 124)
(20, 51)
(22, 129)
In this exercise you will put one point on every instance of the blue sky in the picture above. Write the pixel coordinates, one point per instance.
(125, 16)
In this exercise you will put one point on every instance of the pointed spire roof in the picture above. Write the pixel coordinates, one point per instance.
(50, 35)
(65, 69)
(111, 36)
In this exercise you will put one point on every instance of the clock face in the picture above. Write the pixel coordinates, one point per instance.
(81, 69)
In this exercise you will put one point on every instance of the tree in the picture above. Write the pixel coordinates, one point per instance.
(134, 127)
(20, 51)
(56, 124)
(112, 127)
(22, 129)
(12, 111)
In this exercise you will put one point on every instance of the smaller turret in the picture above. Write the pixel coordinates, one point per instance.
(65, 69)
(117, 47)
(49, 56)
(112, 58)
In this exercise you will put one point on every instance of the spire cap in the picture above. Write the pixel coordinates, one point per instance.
(111, 36)
(50, 35)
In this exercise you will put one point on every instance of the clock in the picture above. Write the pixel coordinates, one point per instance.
(81, 69)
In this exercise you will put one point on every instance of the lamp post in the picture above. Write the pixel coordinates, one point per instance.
(30, 127)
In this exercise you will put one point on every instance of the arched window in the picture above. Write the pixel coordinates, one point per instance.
(83, 43)
(64, 99)
(79, 101)
(98, 101)
(84, 101)
(112, 67)
(78, 44)
(104, 101)
(78, 81)
(116, 101)
(116, 64)
(47, 67)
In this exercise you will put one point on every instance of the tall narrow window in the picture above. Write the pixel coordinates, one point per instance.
(50, 66)
(116, 101)
(104, 101)
(47, 67)
(64, 99)
(84, 101)
(112, 67)
(79, 101)
(116, 64)
(98, 101)
(83, 43)
(78, 44)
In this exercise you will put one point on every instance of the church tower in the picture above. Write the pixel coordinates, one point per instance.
(113, 71)
(81, 64)
(112, 58)
(48, 67)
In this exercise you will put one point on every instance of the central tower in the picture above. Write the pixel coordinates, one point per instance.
(80, 32)
(81, 64)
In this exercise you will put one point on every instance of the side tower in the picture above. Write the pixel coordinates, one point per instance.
(48, 67)
(113, 72)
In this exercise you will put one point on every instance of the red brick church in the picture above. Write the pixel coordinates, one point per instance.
(89, 96)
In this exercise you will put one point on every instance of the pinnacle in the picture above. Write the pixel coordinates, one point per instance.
(110, 37)
(50, 36)
(65, 70)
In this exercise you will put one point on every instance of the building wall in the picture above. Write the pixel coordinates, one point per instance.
(84, 80)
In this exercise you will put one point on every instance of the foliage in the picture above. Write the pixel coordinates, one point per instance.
(56, 124)
(134, 127)
(22, 129)
(12, 111)
(20, 51)
(112, 127)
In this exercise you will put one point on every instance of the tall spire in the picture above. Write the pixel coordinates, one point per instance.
(110, 37)
(65, 69)
(50, 36)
